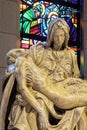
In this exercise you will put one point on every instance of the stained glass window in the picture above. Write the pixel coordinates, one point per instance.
(71, 1)
(35, 17)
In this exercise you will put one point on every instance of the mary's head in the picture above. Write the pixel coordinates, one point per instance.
(58, 34)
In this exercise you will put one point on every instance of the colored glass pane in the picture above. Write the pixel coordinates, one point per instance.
(35, 17)
(71, 1)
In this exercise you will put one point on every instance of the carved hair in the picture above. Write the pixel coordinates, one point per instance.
(13, 54)
(56, 24)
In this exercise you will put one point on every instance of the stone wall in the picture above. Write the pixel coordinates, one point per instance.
(9, 31)
(85, 38)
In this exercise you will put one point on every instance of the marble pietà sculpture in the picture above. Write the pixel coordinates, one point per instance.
(49, 93)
